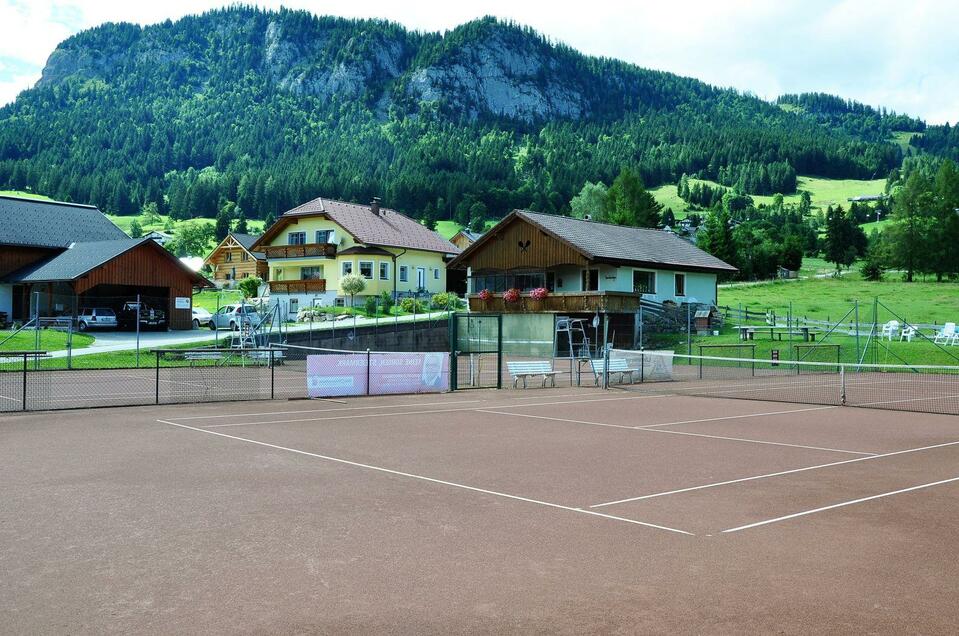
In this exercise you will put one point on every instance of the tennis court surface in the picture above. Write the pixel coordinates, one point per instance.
(557, 510)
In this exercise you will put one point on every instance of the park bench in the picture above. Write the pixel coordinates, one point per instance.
(776, 333)
(198, 356)
(614, 365)
(526, 370)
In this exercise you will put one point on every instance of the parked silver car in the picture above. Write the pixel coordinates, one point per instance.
(96, 318)
(232, 316)
(201, 317)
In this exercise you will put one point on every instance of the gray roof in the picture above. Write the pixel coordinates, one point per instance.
(74, 262)
(470, 234)
(52, 223)
(247, 241)
(603, 241)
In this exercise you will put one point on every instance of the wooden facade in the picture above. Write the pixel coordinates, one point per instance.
(461, 240)
(231, 261)
(14, 257)
(521, 245)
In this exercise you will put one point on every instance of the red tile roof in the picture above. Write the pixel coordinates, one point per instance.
(389, 228)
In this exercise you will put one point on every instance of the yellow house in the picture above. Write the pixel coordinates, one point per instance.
(312, 247)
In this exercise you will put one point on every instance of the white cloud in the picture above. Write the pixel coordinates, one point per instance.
(881, 52)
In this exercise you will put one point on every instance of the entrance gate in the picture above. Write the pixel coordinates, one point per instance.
(476, 343)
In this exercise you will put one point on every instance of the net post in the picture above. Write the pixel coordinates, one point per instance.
(499, 351)
(842, 384)
(606, 367)
(368, 357)
(157, 384)
(272, 374)
(642, 366)
(23, 404)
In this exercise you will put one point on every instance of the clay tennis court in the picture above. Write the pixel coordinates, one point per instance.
(566, 510)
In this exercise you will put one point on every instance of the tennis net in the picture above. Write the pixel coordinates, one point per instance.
(921, 388)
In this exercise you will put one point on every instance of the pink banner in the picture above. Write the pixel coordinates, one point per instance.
(338, 375)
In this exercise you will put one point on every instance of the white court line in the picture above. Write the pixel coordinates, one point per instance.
(333, 410)
(840, 505)
(423, 478)
(474, 409)
(653, 430)
(736, 417)
(783, 472)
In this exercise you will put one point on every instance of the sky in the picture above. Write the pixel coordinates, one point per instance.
(892, 53)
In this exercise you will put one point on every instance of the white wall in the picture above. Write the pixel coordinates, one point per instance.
(699, 285)
(6, 300)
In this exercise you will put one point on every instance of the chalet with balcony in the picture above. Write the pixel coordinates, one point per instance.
(235, 259)
(585, 266)
(312, 247)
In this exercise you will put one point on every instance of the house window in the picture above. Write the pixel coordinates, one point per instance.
(229, 257)
(680, 284)
(311, 273)
(244, 257)
(366, 269)
(644, 282)
(404, 274)
(384, 270)
(436, 274)
(324, 236)
(339, 302)
(347, 268)
(294, 305)
(296, 238)
(590, 280)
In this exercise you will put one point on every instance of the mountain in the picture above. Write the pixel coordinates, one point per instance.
(270, 108)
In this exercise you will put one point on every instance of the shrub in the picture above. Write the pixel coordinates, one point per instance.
(411, 305)
(540, 293)
(249, 286)
(445, 300)
(511, 295)
(370, 306)
(386, 300)
(872, 269)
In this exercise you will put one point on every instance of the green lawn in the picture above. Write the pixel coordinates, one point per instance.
(830, 298)
(25, 195)
(824, 192)
(448, 229)
(50, 340)
(211, 300)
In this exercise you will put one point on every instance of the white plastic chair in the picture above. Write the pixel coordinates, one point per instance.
(946, 335)
(907, 333)
(890, 329)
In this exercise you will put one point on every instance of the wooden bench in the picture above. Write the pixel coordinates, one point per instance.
(526, 370)
(616, 365)
(776, 333)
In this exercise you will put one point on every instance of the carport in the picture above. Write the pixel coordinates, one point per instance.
(107, 274)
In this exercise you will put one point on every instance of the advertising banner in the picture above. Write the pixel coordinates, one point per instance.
(338, 375)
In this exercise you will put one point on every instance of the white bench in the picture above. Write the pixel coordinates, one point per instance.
(526, 370)
(616, 365)
(197, 356)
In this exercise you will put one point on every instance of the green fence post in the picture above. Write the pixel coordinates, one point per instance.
(499, 351)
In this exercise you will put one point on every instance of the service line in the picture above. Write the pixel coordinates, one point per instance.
(398, 473)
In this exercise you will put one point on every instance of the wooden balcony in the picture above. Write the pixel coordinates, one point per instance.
(320, 250)
(298, 286)
(561, 302)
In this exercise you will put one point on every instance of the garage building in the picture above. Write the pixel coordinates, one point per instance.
(57, 258)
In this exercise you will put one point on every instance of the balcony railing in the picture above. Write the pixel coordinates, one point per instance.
(298, 286)
(323, 250)
(573, 302)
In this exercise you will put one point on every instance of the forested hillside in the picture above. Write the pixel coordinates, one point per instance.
(268, 109)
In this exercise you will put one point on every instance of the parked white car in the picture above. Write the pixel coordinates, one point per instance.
(96, 318)
(232, 316)
(201, 317)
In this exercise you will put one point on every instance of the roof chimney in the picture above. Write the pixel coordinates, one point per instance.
(375, 206)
